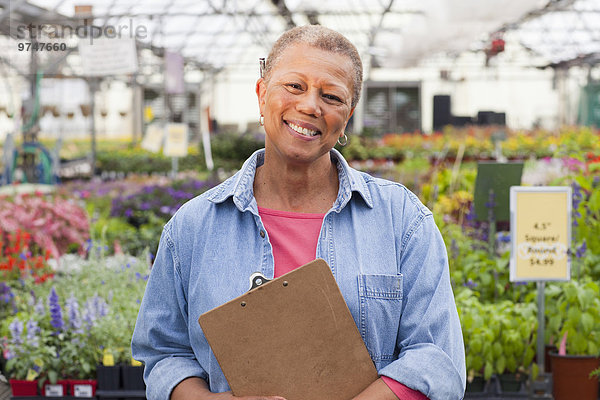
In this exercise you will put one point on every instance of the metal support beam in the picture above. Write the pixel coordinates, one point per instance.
(284, 12)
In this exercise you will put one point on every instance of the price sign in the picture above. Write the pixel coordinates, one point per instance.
(540, 233)
(176, 144)
(154, 138)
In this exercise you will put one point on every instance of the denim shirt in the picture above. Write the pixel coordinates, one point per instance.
(381, 243)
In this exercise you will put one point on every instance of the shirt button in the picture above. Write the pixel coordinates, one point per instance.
(262, 233)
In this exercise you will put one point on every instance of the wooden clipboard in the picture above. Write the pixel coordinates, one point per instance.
(294, 337)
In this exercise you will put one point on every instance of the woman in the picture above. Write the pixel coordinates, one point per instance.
(292, 202)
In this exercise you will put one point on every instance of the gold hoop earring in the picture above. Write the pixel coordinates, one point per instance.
(261, 120)
(344, 140)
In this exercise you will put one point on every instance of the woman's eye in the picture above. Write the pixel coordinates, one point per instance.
(294, 86)
(332, 97)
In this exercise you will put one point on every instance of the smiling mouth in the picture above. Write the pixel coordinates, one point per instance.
(302, 131)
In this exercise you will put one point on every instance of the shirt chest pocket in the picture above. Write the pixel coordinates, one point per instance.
(380, 310)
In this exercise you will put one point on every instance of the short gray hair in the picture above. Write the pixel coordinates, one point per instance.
(322, 38)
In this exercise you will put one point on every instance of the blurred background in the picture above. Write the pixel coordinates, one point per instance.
(109, 70)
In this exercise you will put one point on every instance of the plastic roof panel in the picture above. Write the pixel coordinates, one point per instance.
(223, 33)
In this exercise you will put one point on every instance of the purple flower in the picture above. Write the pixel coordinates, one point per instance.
(128, 212)
(95, 308)
(580, 251)
(6, 294)
(470, 284)
(55, 311)
(504, 237)
(72, 308)
(491, 203)
(165, 209)
(16, 331)
(39, 307)
(33, 331)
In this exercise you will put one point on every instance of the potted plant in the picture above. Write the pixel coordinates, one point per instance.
(573, 314)
(22, 365)
(476, 333)
(517, 339)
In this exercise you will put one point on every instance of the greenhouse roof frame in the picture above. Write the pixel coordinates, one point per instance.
(217, 34)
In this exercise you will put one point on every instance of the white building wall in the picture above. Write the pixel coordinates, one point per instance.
(526, 94)
(234, 98)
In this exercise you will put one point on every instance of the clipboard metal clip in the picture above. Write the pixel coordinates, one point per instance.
(257, 279)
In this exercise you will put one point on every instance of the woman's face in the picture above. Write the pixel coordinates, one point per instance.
(306, 103)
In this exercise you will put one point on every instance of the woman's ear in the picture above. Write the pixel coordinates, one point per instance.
(261, 89)
(349, 116)
(351, 112)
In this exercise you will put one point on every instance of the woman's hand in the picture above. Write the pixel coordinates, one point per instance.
(195, 388)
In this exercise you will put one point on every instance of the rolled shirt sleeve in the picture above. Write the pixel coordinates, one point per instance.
(161, 339)
(431, 356)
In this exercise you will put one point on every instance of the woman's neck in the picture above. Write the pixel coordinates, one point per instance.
(296, 188)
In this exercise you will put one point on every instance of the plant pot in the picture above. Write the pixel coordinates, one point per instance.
(82, 387)
(58, 389)
(108, 378)
(133, 377)
(571, 377)
(23, 388)
(511, 382)
(477, 385)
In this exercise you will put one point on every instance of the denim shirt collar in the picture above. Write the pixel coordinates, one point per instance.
(240, 185)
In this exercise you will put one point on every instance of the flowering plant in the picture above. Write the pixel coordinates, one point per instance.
(54, 224)
(18, 258)
(47, 343)
(58, 330)
(160, 200)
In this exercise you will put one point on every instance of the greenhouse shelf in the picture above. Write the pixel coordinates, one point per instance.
(115, 394)
(51, 398)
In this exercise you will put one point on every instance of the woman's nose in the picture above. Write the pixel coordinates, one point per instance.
(308, 103)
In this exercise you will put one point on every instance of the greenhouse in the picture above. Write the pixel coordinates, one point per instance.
(301, 200)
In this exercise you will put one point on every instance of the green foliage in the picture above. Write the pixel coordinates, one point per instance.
(499, 337)
(472, 266)
(586, 192)
(99, 300)
(364, 148)
(574, 308)
(230, 150)
(137, 160)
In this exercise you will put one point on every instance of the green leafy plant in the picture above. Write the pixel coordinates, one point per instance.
(499, 337)
(230, 150)
(573, 308)
(60, 329)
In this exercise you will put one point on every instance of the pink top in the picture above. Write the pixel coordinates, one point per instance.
(294, 237)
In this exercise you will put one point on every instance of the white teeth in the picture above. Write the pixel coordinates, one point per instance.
(302, 131)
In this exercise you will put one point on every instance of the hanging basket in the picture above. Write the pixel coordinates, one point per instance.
(86, 110)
